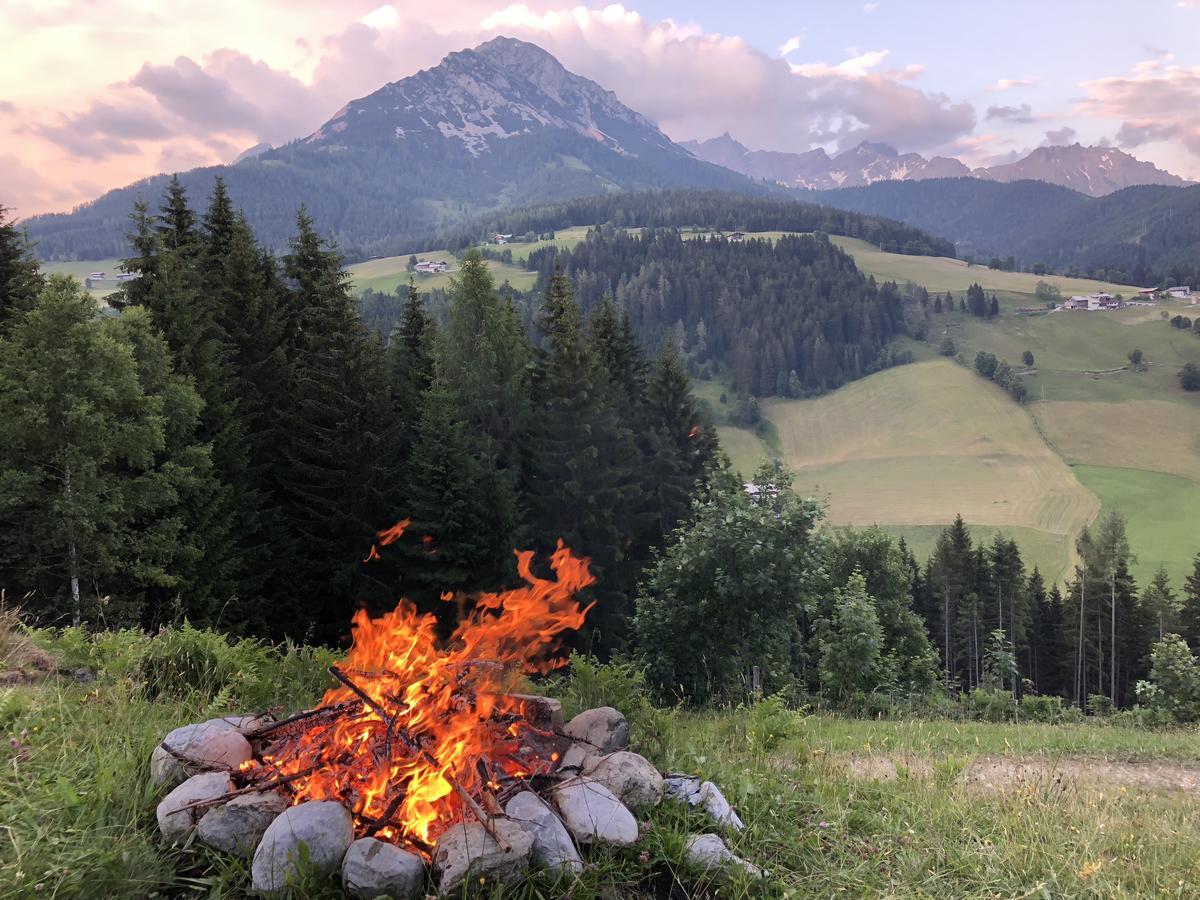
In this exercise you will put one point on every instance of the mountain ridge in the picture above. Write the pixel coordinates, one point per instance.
(1095, 171)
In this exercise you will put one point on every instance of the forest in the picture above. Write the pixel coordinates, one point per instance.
(229, 444)
(709, 209)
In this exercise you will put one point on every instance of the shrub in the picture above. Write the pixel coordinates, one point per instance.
(1174, 684)
(947, 347)
(991, 705)
(1046, 708)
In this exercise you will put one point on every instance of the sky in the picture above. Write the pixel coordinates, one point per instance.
(95, 94)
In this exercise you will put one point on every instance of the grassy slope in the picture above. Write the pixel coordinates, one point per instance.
(913, 446)
(81, 270)
(391, 273)
(1138, 427)
(78, 807)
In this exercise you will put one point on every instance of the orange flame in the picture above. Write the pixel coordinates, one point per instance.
(390, 535)
(449, 716)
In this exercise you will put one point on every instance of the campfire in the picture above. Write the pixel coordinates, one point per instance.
(425, 755)
(415, 732)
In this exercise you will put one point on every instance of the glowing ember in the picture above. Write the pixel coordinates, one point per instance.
(418, 731)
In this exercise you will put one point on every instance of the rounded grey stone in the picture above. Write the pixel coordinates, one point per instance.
(602, 727)
(212, 744)
(176, 821)
(465, 852)
(237, 826)
(373, 868)
(553, 848)
(632, 778)
(593, 814)
(707, 853)
(324, 827)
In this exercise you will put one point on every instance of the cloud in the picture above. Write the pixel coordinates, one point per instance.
(1005, 84)
(1059, 136)
(1019, 115)
(1153, 102)
(7, 107)
(869, 8)
(855, 67)
(791, 45)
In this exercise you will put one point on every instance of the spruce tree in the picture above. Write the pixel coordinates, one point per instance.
(338, 476)
(20, 280)
(410, 365)
(581, 484)
(1189, 611)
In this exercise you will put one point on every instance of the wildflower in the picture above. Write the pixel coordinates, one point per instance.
(1090, 869)
(644, 857)
(646, 826)
(823, 825)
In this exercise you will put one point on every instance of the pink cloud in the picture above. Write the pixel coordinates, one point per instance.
(1153, 102)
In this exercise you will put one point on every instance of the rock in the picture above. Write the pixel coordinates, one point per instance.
(213, 744)
(717, 807)
(174, 821)
(681, 788)
(576, 755)
(592, 814)
(707, 854)
(632, 778)
(467, 853)
(553, 848)
(602, 727)
(238, 826)
(243, 725)
(323, 826)
(84, 676)
(373, 868)
(545, 713)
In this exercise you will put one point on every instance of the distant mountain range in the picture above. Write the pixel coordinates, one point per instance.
(505, 125)
(498, 126)
(1090, 170)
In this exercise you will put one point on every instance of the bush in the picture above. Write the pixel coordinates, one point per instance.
(1174, 685)
(1100, 706)
(1047, 708)
(991, 705)
(947, 347)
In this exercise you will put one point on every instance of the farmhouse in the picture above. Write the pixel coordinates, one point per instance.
(1094, 301)
(431, 266)
(499, 238)
(1179, 293)
(737, 237)
(96, 276)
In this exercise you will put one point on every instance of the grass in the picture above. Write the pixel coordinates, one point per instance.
(77, 807)
(390, 274)
(81, 269)
(939, 273)
(1163, 514)
(911, 447)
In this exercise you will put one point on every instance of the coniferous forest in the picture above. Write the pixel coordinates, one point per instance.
(223, 444)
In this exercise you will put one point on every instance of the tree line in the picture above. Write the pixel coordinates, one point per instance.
(223, 444)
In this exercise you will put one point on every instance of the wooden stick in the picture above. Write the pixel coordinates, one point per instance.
(193, 762)
(252, 789)
(382, 822)
(363, 695)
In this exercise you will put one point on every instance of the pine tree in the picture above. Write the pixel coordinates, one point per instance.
(1161, 603)
(410, 365)
(20, 280)
(1189, 612)
(615, 347)
(581, 484)
(338, 477)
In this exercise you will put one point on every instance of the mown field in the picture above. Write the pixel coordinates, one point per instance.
(81, 270)
(389, 274)
(1123, 439)
(833, 806)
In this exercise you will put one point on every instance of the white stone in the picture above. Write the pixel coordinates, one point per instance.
(707, 854)
(682, 788)
(238, 826)
(632, 778)
(373, 868)
(592, 814)
(602, 727)
(717, 807)
(176, 822)
(576, 755)
(213, 744)
(466, 853)
(324, 827)
(553, 848)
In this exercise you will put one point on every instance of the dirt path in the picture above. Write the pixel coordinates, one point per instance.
(1002, 774)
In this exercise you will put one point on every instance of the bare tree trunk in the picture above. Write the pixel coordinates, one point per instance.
(1079, 659)
(72, 559)
(1112, 643)
(946, 622)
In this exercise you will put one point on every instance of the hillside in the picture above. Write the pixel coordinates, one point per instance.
(1143, 235)
(501, 125)
(1129, 438)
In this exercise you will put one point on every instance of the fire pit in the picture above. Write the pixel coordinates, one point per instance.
(426, 757)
